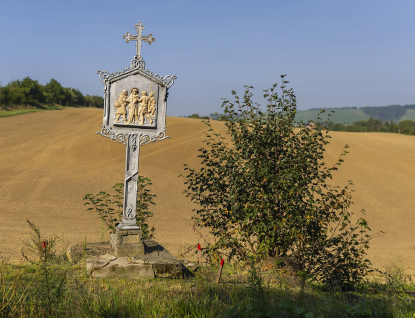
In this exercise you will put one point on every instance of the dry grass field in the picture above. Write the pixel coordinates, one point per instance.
(50, 160)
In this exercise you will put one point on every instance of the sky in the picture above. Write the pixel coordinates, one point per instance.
(336, 53)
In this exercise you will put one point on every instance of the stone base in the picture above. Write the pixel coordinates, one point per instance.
(101, 261)
(127, 243)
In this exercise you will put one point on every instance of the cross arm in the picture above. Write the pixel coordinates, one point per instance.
(129, 37)
(148, 38)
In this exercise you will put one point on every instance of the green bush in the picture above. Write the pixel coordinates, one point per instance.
(265, 190)
(109, 206)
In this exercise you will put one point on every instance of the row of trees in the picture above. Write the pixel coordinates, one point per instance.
(197, 116)
(406, 127)
(30, 92)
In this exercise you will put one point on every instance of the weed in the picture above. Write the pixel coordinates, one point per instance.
(40, 249)
(397, 278)
(47, 274)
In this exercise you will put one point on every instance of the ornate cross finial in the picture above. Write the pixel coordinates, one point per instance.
(139, 37)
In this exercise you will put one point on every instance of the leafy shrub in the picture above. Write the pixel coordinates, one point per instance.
(265, 190)
(109, 206)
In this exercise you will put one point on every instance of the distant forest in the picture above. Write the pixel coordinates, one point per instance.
(29, 92)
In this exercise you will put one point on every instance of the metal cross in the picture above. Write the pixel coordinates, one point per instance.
(139, 37)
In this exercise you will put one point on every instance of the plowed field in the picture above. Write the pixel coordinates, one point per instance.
(50, 160)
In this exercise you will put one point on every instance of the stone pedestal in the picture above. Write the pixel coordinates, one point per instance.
(127, 243)
(101, 261)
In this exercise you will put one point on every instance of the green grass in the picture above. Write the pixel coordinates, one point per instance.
(14, 111)
(8, 112)
(63, 290)
(340, 115)
(409, 115)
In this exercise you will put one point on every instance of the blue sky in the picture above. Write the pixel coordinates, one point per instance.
(335, 53)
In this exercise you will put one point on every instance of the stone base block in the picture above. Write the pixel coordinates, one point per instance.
(127, 243)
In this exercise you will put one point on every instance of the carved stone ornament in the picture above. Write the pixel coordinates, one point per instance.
(129, 213)
(135, 101)
(135, 98)
(122, 137)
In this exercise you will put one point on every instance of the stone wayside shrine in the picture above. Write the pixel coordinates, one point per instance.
(134, 114)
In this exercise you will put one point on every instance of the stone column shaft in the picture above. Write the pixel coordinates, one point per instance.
(129, 221)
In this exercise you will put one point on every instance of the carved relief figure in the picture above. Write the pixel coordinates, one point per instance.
(151, 104)
(121, 105)
(143, 111)
(133, 100)
(139, 107)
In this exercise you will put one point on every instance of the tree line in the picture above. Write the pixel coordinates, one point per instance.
(197, 116)
(406, 127)
(30, 92)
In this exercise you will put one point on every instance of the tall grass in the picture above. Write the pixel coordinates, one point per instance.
(25, 289)
(47, 285)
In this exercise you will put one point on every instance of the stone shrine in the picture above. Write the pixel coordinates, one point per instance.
(134, 114)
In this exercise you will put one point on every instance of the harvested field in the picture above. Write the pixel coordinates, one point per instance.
(50, 160)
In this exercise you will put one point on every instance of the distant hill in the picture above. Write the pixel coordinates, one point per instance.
(409, 115)
(336, 115)
(349, 115)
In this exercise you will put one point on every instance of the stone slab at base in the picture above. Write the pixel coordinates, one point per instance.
(101, 261)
